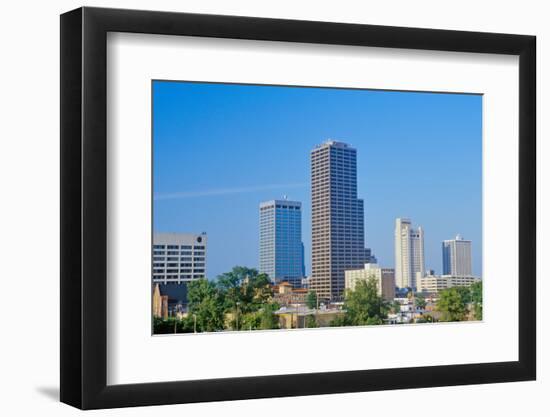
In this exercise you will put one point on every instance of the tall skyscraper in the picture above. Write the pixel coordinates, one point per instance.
(457, 257)
(281, 248)
(337, 219)
(409, 253)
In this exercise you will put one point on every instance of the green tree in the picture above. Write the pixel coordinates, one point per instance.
(170, 325)
(465, 294)
(420, 301)
(311, 300)
(452, 305)
(338, 321)
(396, 307)
(244, 289)
(250, 321)
(205, 306)
(476, 291)
(364, 306)
(268, 318)
(311, 322)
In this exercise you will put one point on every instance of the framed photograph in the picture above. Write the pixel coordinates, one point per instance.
(256, 208)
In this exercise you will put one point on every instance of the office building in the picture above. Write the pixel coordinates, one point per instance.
(177, 259)
(409, 253)
(281, 248)
(337, 219)
(457, 257)
(431, 283)
(385, 279)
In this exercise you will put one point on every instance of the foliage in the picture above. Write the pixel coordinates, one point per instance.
(338, 321)
(268, 318)
(452, 304)
(476, 290)
(311, 322)
(311, 300)
(465, 294)
(244, 289)
(396, 307)
(420, 301)
(205, 306)
(262, 319)
(170, 325)
(363, 306)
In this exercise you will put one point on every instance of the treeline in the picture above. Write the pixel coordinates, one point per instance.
(461, 303)
(242, 299)
(238, 300)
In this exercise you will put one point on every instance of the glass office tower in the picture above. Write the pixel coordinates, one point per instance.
(281, 249)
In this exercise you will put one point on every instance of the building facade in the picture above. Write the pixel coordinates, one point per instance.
(433, 284)
(337, 219)
(281, 248)
(409, 253)
(177, 259)
(160, 303)
(457, 257)
(385, 279)
(285, 294)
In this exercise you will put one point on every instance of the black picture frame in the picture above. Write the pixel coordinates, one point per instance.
(84, 207)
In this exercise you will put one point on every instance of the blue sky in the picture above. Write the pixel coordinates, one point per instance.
(221, 149)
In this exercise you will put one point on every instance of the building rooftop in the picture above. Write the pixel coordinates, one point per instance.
(271, 203)
(333, 143)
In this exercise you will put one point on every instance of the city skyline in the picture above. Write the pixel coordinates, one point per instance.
(190, 192)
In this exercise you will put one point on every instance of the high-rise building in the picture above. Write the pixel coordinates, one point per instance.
(409, 253)
(457, 257)
(177, 259)
(281, 248)
(337, 219)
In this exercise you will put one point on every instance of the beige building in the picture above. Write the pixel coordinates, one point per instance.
(285, 295)
(432, 283)
(385, 278)
(409, 253)
(160, 304)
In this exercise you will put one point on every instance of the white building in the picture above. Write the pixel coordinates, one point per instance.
(457, 257)
(409, 253)
(178, 257)
(385, 278)
(433, 284)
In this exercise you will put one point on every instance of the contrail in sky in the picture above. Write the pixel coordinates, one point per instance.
(226, 191)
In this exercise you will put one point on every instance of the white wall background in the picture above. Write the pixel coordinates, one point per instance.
(29, 173)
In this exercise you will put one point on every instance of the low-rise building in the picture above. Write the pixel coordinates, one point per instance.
(385, 278)
(433, 284)
(160, 303)
(284, 294)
